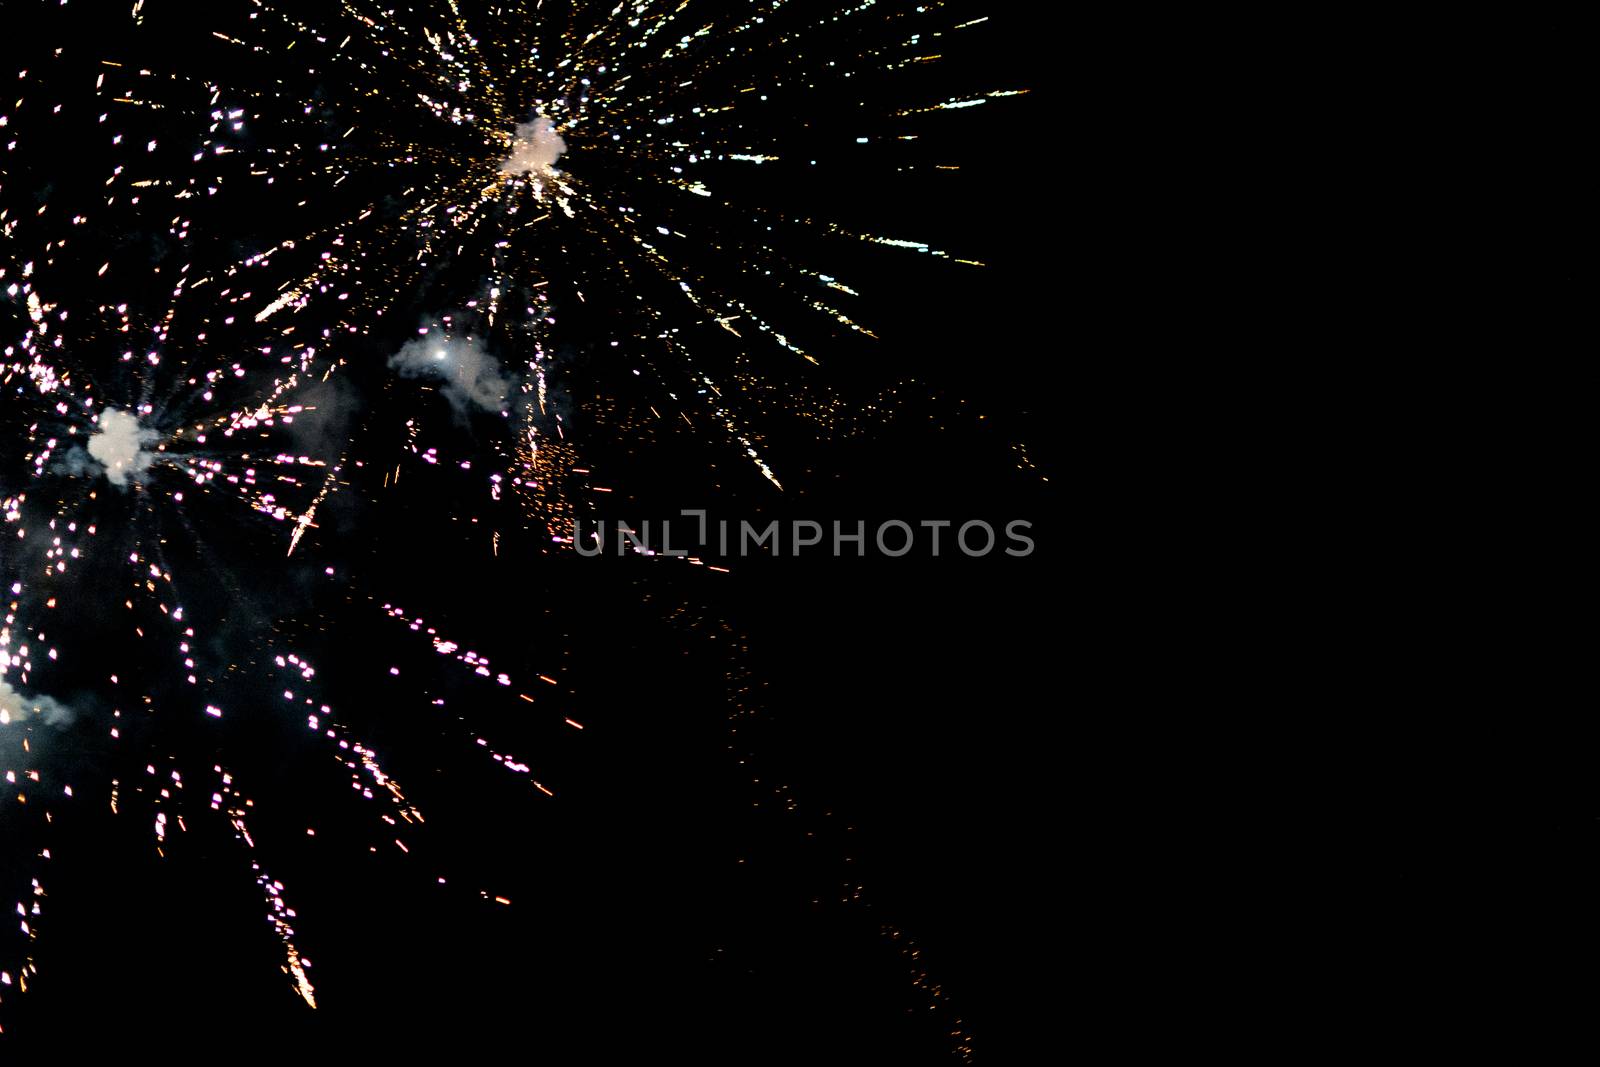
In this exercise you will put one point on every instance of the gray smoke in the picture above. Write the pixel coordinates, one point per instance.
(323, 428)
(471, 377)
(118, 446)
(14, 707)
(534, 149)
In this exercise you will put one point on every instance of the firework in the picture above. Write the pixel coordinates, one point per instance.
(309, 212)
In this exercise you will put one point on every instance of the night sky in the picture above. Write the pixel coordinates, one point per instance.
(321, 327)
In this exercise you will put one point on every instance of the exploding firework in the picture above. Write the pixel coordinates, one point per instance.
(315, 212)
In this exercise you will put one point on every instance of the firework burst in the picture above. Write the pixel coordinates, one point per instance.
(304, 204)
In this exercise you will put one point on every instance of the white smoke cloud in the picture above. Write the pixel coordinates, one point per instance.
(534, 149)
(471, 377)
(14, 707)
(119, 446)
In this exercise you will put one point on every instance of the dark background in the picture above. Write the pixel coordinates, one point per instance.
(884, 876)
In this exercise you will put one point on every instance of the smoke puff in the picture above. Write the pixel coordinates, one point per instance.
(119, 446)
(75, 463)
(535, 147)
(324, 427)
(472, 378)
(18, 707)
